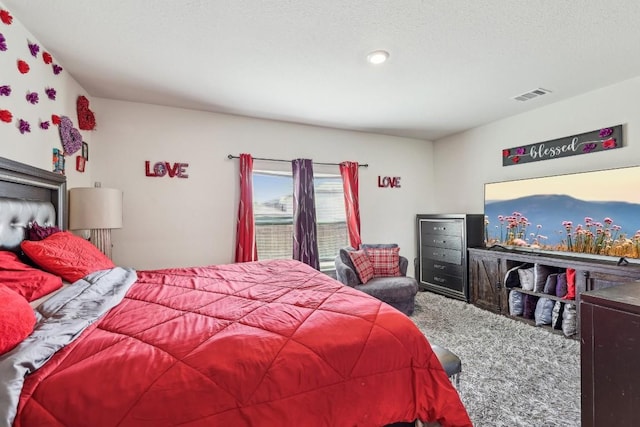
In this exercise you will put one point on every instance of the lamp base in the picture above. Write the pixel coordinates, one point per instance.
(101, 238)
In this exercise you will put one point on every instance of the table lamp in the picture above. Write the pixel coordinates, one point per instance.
(96, 209)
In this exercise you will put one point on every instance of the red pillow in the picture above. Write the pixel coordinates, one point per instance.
(571, 284)
(385, 261)
(66, 255)
(25, 280)
(16, 319)
(362, 264)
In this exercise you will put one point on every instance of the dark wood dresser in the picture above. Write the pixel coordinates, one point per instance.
(443, 241)
(610, 356)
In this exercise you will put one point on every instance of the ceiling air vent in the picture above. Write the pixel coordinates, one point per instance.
(531, 94)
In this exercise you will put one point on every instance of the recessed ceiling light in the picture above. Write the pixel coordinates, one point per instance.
(377, 56)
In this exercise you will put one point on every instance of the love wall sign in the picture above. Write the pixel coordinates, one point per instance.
(388, 181)
(160, 169)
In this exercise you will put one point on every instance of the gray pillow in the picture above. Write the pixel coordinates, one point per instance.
(540, 274)
(526, 278)
(345, 258)
(516, 303)
(550, 285)
(569, 320)
(544, 309)
(378, 245)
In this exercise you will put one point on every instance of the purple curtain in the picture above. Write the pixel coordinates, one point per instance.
(305, 242)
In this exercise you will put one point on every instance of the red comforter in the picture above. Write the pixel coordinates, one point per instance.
(271, 343)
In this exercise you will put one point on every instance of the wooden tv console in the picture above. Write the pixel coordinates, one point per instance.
(487, 268)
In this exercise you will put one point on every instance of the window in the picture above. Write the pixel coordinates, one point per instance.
(273, 212)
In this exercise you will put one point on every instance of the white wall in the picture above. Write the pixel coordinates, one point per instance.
(181, 222)
(463, 163)
(35, 148)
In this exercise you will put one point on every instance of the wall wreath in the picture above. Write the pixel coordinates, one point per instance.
(86, 118)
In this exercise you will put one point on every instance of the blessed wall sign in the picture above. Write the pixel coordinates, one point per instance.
(584, 143)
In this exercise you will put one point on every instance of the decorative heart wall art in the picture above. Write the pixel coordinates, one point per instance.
(86, 118)
(23, 67)
(6, 116)
(70, 136)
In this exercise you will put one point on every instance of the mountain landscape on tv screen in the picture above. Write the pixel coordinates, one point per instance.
(547, 214)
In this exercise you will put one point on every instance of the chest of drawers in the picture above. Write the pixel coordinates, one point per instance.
(442, 252)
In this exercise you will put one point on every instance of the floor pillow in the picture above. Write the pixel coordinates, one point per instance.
(544, 309)
(516, 303)
(569, 318)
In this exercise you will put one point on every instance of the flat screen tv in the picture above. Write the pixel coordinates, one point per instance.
(592, 213)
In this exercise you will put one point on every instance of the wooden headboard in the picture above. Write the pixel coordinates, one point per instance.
(28, 193)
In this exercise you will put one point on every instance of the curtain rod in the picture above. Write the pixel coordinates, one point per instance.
(231, 156)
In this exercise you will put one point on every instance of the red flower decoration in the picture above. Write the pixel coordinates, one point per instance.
(609, 143)
(506, 153)
(55, 119)
(46, 57)
(515, 159)
(23, 67)
(6, 17)
(6, 116)
(86, 118)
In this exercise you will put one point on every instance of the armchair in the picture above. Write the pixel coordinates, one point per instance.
(397, 291)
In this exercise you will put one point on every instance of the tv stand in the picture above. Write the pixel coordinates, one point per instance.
(487, 269)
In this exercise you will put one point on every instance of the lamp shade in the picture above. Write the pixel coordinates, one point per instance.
(95, 208)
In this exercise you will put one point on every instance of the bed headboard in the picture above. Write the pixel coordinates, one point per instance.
(29, 194)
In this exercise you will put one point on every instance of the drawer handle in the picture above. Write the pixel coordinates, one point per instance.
(439, 266)
(440, 241)
(439, 279)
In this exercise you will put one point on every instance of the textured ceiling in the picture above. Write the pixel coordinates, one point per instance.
(454, 64)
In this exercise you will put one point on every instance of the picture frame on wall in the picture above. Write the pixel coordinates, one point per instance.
(58, 161)
(80, 163)
(85, 151)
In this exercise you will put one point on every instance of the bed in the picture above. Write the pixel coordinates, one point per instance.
(270, 343)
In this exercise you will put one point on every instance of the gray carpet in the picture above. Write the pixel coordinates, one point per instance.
(513, 374)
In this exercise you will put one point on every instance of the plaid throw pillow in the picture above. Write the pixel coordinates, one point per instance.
(385, 261)
(362, 264)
